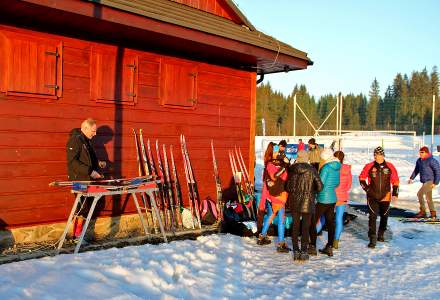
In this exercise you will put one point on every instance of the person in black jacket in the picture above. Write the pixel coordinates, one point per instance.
(302, 185)
(82, 163)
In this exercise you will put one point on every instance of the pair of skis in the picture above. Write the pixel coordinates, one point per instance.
(168, 198)
(242, 181)
(420, 220)
(193, 193)
(218, 185)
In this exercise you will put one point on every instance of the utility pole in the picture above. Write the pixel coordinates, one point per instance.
(340, 122)
(263, 125)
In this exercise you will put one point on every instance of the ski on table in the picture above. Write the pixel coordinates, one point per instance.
(108, 182)
(168, 188)
(176, 188)
(218, 184)
(420, 220)
(158, 195)
(161, 173)
(192, 183)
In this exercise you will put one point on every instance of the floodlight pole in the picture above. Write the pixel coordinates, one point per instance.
(340, 122)
(294, 117)
(337, 117)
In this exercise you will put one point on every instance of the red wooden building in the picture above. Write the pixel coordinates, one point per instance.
(169, 67)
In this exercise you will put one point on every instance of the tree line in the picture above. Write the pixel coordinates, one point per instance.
(404, 105)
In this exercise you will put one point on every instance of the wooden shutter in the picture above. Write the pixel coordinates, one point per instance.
(114, 74)
(34, 67)
(178, 83)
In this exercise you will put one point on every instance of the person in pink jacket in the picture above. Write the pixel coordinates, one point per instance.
(342, 192)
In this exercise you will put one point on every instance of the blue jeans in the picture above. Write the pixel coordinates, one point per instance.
(339, 221)
(267, 222)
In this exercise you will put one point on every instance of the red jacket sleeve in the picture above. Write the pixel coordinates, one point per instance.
(364, 174)
(394, 174)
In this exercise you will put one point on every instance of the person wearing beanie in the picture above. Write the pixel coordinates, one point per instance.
(302, 185)
(282, 153)
(326, 200)
(429, 169)
(314, 152)
(380, 181)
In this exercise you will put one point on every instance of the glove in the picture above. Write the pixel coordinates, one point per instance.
(364, 185)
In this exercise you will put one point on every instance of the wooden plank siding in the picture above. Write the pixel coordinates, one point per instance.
(34, 130)
(216, 7)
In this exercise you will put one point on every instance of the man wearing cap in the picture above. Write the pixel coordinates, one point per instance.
(314, 153)
(380, 181)
(429, 170)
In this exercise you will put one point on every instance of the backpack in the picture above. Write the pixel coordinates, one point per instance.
(208, 211)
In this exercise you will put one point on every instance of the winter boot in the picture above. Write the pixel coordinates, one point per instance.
(312, 250)
(433, 214)
(372, 243)
(263, 240)
(336, 244)
(327, 250)
(282, 247)
(380, 236)
(420, 214)
(304, 257)
(296, 255)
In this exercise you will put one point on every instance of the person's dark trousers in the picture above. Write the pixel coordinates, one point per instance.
(328, 210)
(316, 166)
(260, 218)
(375, 208)
(305, 219)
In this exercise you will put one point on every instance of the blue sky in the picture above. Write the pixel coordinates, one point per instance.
(351, 42)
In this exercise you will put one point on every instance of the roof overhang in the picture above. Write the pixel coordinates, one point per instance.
(165, 27)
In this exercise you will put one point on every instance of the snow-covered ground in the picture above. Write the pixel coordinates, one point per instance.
(230, 267)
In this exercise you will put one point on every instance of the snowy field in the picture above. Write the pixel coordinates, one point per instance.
(230, 267)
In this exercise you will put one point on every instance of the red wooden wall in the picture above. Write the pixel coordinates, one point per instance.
(216, 7)
(122, 89)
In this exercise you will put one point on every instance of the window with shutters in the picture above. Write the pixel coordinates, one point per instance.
(34, 66)
(114, 75)
(178, 83)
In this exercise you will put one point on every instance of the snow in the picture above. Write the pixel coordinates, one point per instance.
(231, 267)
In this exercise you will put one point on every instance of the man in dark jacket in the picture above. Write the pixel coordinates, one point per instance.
(380, 180)
(302, 185)
(429, 170)
(82, 164)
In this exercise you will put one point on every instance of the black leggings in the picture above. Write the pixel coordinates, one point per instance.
(328, 210)
(301, 221)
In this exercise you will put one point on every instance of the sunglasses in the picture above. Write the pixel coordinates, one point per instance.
(422, 152)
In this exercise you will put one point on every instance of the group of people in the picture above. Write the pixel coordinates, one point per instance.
(315, 188)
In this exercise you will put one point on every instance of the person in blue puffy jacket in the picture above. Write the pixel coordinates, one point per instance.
(326, 198)
(429, 169)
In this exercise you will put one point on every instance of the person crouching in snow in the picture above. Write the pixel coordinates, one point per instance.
(429, 170)
(329, 174)
(273, 196)
(380, 181)
(302, 185)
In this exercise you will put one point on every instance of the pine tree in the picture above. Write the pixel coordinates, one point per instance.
(373, 104)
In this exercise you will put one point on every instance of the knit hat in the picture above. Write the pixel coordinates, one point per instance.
(424, 149)
(326, 154)
(379, 150)
(302, 157)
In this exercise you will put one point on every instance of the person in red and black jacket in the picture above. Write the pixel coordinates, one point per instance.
(380, 181)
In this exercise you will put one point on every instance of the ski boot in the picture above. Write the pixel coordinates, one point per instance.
(282, 247)
(328, 249)
(263, 240)
(372, 243)
(433, 214)
(380, 236)
(296, 255)
(420, 214)
(312, 250)
(336, 244)
(304, 257)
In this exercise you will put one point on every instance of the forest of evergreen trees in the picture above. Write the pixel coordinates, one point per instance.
(405, 105)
